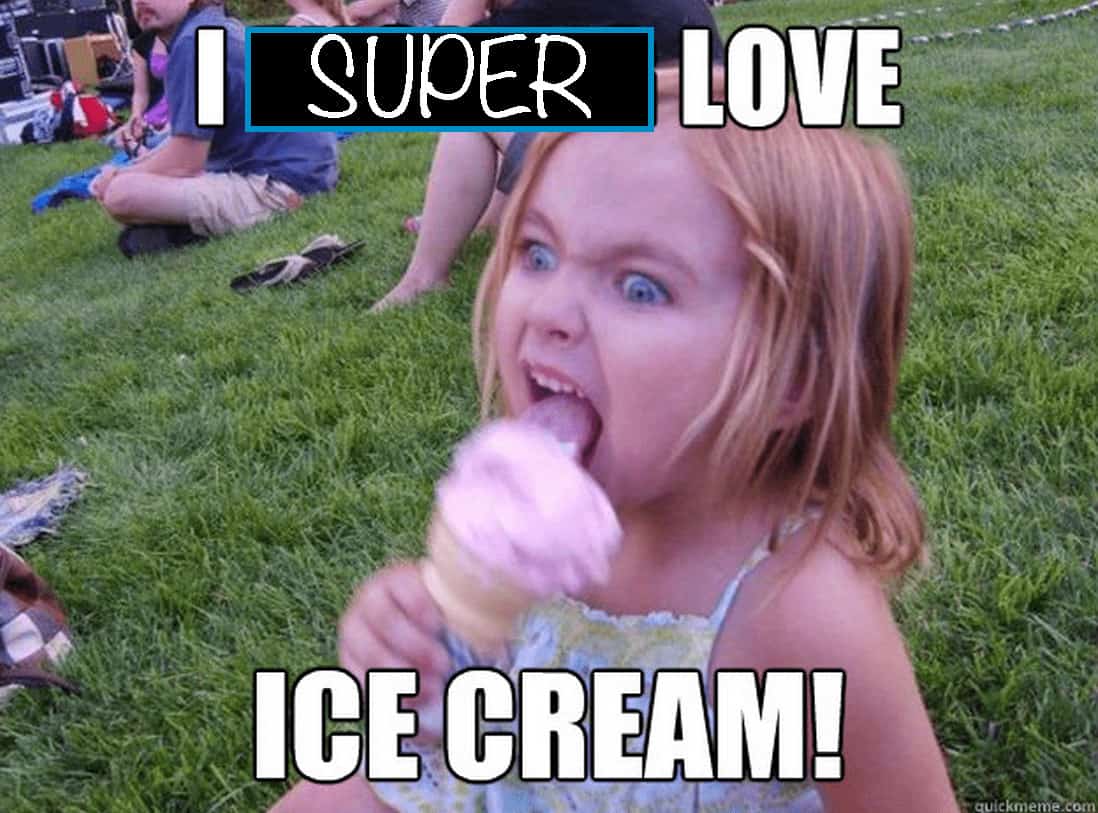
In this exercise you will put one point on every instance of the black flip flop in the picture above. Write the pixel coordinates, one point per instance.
(321, 253)
(276, 272)
(327, 249)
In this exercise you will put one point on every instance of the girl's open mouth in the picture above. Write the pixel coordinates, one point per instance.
(566, 412)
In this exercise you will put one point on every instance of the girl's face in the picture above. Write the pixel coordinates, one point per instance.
(623, 284)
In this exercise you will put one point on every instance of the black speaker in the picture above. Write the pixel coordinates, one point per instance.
(14, 77)
(34, 52)
(55, 58)
(66, 24)
(50, 6)
(9, 40)
(15, 86)
(15, 8)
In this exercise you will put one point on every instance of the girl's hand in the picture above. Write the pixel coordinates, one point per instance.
(393, 623)
(129, 134)
(135, 127)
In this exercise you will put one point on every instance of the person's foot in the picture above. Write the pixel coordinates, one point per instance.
(153, 238)
(410, 288)
(488, 223)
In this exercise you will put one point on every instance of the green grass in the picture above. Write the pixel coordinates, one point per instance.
(253, 458)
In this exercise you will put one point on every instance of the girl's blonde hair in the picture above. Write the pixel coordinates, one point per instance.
(827, 229)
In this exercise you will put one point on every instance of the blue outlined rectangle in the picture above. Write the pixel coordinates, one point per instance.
(312, 33)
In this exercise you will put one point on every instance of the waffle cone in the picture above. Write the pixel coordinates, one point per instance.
(479, 607)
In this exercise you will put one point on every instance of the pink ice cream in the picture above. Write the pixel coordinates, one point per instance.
(517, 500)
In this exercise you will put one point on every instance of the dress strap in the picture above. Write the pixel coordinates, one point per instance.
(758, 555)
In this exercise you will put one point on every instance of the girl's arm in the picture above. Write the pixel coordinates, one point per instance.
(829, 615)
(140, 101)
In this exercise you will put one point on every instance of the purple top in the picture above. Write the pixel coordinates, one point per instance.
(157, 115)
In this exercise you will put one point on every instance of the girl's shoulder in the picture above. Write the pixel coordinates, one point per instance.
(823, 611)
(807, 608)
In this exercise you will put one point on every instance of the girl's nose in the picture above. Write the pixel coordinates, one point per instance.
(556, 310)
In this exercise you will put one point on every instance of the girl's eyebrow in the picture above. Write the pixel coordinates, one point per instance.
(641, 247)
(533, 217)
(665, 255)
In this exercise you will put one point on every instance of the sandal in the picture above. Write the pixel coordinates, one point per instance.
(327, 250)
(321, 253)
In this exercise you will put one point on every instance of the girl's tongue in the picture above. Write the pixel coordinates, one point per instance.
(570, 419)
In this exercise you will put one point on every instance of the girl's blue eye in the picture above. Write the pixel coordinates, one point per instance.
(644, 290)
(540, 257)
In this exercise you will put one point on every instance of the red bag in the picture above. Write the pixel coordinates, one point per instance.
(89, 115)
(98, 117)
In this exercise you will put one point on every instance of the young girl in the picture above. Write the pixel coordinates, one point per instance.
(149, 115)
(732, 303)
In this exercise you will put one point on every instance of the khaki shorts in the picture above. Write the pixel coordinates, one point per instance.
(223, 202)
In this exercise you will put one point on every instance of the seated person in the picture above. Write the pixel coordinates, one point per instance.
(472, 172)
(422, 12)
(325, 13)
(398, 12)
(223, 179)
(373, 12)
(367, 12)
(149, 105)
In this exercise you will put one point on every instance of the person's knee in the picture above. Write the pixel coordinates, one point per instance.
(499, 140)
(121, 200)
(471, 147)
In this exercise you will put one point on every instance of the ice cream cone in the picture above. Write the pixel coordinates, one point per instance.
(480, 607)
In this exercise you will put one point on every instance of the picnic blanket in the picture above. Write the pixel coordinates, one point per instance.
(73, 187)
(34, 631)
(32, 509)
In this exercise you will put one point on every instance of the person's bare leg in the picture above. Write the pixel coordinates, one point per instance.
(372, 12)
(489, 221)
(137, 197)
(353, 795)
(459, 190)
(487, 224)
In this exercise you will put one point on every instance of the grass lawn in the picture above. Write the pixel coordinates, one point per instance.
(253, 458)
